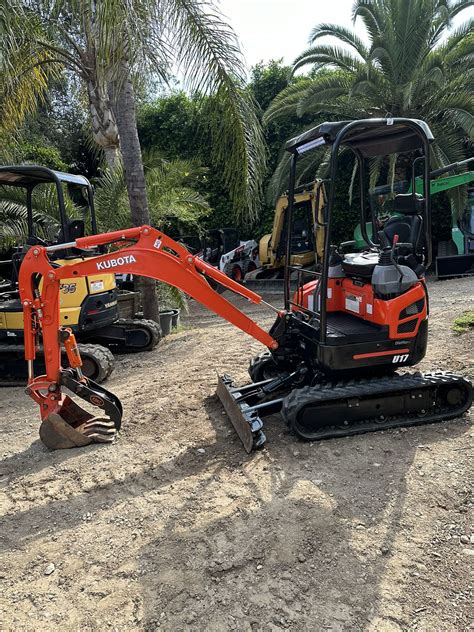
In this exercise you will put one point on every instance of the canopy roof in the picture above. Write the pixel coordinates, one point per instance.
(372, 137)
(31, 175)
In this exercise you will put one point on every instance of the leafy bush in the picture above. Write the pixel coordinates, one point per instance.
(43, 155)
(464, 323)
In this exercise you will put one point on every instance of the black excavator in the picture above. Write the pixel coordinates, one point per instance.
(89, 306)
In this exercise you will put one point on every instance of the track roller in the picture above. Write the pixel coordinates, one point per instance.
(341, 409)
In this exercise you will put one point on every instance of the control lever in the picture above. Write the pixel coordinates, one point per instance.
(392, 256)
(384, 242)
(383, 239)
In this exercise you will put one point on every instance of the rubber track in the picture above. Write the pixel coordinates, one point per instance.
(140, 323)
(103, 359)
(343, 391)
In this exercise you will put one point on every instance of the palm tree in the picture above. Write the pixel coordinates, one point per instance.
(107, 45)
(173, 202)
(409, 67)
(39, 44)
(169, 190)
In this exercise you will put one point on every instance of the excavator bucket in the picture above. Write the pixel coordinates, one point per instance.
(73, 427)
(70, 426)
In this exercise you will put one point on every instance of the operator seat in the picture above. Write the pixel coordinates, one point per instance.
(409, 226)
(76, 229)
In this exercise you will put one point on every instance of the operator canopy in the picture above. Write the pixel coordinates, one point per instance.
(372, 137)
(32, 175)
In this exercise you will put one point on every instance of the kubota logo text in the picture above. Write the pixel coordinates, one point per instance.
(113, 263)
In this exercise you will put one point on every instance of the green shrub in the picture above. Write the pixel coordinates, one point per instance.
(464, 323)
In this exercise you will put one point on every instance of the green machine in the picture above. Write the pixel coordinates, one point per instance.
(456, 255)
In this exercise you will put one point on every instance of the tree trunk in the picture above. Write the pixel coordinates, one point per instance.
(104, 127)
(111, 153)
(125, 115)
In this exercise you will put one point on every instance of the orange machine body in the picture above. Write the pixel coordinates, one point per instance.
(403, 315)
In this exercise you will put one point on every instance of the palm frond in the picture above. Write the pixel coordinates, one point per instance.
(209, 57)
(371, 15)
(14, 223)
(287, 101)
(328, 55)
(343, 34)
(168, 193)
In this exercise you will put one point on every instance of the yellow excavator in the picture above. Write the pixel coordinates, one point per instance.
(307, 233)
(89, 305)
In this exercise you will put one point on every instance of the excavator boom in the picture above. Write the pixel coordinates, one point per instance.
(142, 251)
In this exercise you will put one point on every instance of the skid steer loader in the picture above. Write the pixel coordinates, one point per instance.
(334, 352)
(88, 305)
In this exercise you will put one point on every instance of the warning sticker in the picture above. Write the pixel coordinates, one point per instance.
(353, 303)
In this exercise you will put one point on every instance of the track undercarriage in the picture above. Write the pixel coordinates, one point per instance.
(330, 408)
(126, 335)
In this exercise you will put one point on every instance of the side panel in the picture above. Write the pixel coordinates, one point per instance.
(394, 353)
(403, 314)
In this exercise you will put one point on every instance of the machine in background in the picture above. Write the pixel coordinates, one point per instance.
(456, 255)
(306, 234)
(89, 306)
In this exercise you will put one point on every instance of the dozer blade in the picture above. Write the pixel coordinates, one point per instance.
(243, 417)
(71, 426)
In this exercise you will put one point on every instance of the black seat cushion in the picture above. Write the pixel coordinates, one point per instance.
(408, 229)
(408, 204)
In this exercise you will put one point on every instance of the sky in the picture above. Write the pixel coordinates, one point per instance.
(270, 29)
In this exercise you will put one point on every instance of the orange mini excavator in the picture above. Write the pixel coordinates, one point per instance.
(333, 352)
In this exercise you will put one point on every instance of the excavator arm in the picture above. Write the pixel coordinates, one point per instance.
(142, 251)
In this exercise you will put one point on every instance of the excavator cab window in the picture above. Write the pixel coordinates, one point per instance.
(301, 237)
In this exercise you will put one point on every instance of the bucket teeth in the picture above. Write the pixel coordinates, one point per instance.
(57, 434)
(99, 430)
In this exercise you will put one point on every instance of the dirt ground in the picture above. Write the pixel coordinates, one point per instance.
(175, 528)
